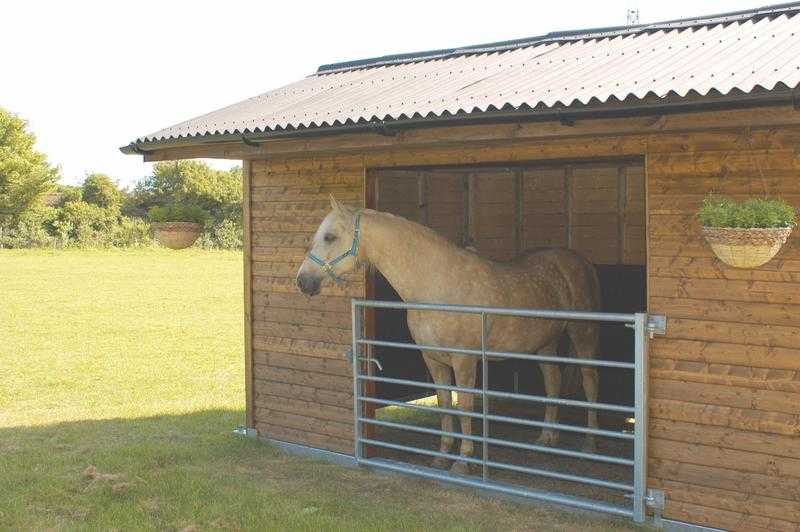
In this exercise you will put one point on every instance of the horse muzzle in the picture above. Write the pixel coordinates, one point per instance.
(308, 283)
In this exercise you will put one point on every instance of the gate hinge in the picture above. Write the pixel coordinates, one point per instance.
(655, 500)
(656, 324)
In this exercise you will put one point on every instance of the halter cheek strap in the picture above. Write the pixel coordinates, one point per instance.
(328, 265)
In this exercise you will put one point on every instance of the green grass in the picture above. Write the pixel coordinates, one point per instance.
(121, 377)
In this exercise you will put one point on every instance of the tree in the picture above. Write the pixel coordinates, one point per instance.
(98, 189)
(24, 172)
(68, 193)
(194, 182)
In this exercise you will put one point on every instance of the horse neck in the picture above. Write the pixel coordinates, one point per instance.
(420, 264)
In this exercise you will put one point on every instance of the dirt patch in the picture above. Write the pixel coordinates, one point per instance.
(117, 482)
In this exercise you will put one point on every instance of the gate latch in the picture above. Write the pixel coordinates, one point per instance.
(375, 361)
(656, 324)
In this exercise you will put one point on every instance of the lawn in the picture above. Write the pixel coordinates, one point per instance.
(121, 377)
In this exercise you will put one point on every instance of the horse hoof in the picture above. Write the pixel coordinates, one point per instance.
(460, 468)
(440, 463)
(547, 438)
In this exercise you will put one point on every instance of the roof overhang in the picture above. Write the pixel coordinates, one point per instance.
(567, 116)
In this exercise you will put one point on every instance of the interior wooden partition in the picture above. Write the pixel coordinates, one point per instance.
(725, 380)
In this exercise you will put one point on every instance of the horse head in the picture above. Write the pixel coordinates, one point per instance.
(333, 250)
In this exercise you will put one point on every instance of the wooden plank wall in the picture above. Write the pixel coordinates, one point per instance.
(725, 381)
(436, 199)
(595, 208)
(302, 379)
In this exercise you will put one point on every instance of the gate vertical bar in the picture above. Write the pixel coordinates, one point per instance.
(640, 419)
(484, 397)
(356, 324)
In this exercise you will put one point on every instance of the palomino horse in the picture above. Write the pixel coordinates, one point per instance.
(425, 267)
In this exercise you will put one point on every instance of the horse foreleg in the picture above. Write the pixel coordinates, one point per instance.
(552, 386)
(442, 374)
(465, 368)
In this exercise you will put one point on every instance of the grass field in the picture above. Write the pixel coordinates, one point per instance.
(121, 377)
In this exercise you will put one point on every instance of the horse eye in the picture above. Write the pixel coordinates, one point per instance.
(329, 237)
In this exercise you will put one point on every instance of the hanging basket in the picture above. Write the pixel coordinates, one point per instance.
(746, 248)
(176, 235)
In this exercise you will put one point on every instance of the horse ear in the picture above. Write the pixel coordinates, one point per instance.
(340, 207)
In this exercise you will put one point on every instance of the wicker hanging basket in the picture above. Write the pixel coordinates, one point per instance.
(176, 235)
(746, 248)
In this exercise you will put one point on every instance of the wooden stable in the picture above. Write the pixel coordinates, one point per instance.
(725, 380)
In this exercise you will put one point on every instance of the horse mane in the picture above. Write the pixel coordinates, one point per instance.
(425, 232)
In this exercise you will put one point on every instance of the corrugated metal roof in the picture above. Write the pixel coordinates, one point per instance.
(734, 53)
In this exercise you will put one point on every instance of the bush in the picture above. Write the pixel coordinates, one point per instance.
(131, 232)
(67, 194)
(31, 229)
(98, 189)
(85, 224)
(225, 235)
(177, 212)
(719, 211)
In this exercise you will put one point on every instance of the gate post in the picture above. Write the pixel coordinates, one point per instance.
(356, 324)
(640, 328)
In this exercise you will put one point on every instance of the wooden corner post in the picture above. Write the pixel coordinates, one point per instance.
(248, 296)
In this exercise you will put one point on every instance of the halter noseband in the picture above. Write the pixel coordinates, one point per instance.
(327, 266)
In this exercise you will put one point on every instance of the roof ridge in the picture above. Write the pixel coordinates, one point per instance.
(556, 36)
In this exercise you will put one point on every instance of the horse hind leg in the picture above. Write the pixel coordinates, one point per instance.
(552, 387)
(442, 374)
(585, 337)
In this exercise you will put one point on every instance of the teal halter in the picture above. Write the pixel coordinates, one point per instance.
(327, 266)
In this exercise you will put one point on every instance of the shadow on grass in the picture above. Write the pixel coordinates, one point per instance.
(190, 472)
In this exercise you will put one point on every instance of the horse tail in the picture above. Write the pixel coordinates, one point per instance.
(594, 285)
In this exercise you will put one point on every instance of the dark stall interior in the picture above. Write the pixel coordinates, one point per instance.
(623, 291)
(593, 207)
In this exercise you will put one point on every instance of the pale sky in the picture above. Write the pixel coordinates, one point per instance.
(92, 76)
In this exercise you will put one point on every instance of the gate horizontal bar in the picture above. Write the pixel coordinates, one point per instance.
(501, 465)
(504, 395)
(502, 354)
(502, 443)
(502, 419)
(500, 311)
(501, 488)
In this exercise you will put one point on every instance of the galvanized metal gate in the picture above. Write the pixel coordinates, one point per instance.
(643, 326)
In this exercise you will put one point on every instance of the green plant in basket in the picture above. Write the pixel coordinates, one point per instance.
(749, 233)
(176, 225)
(721, 211)
(177, 212)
